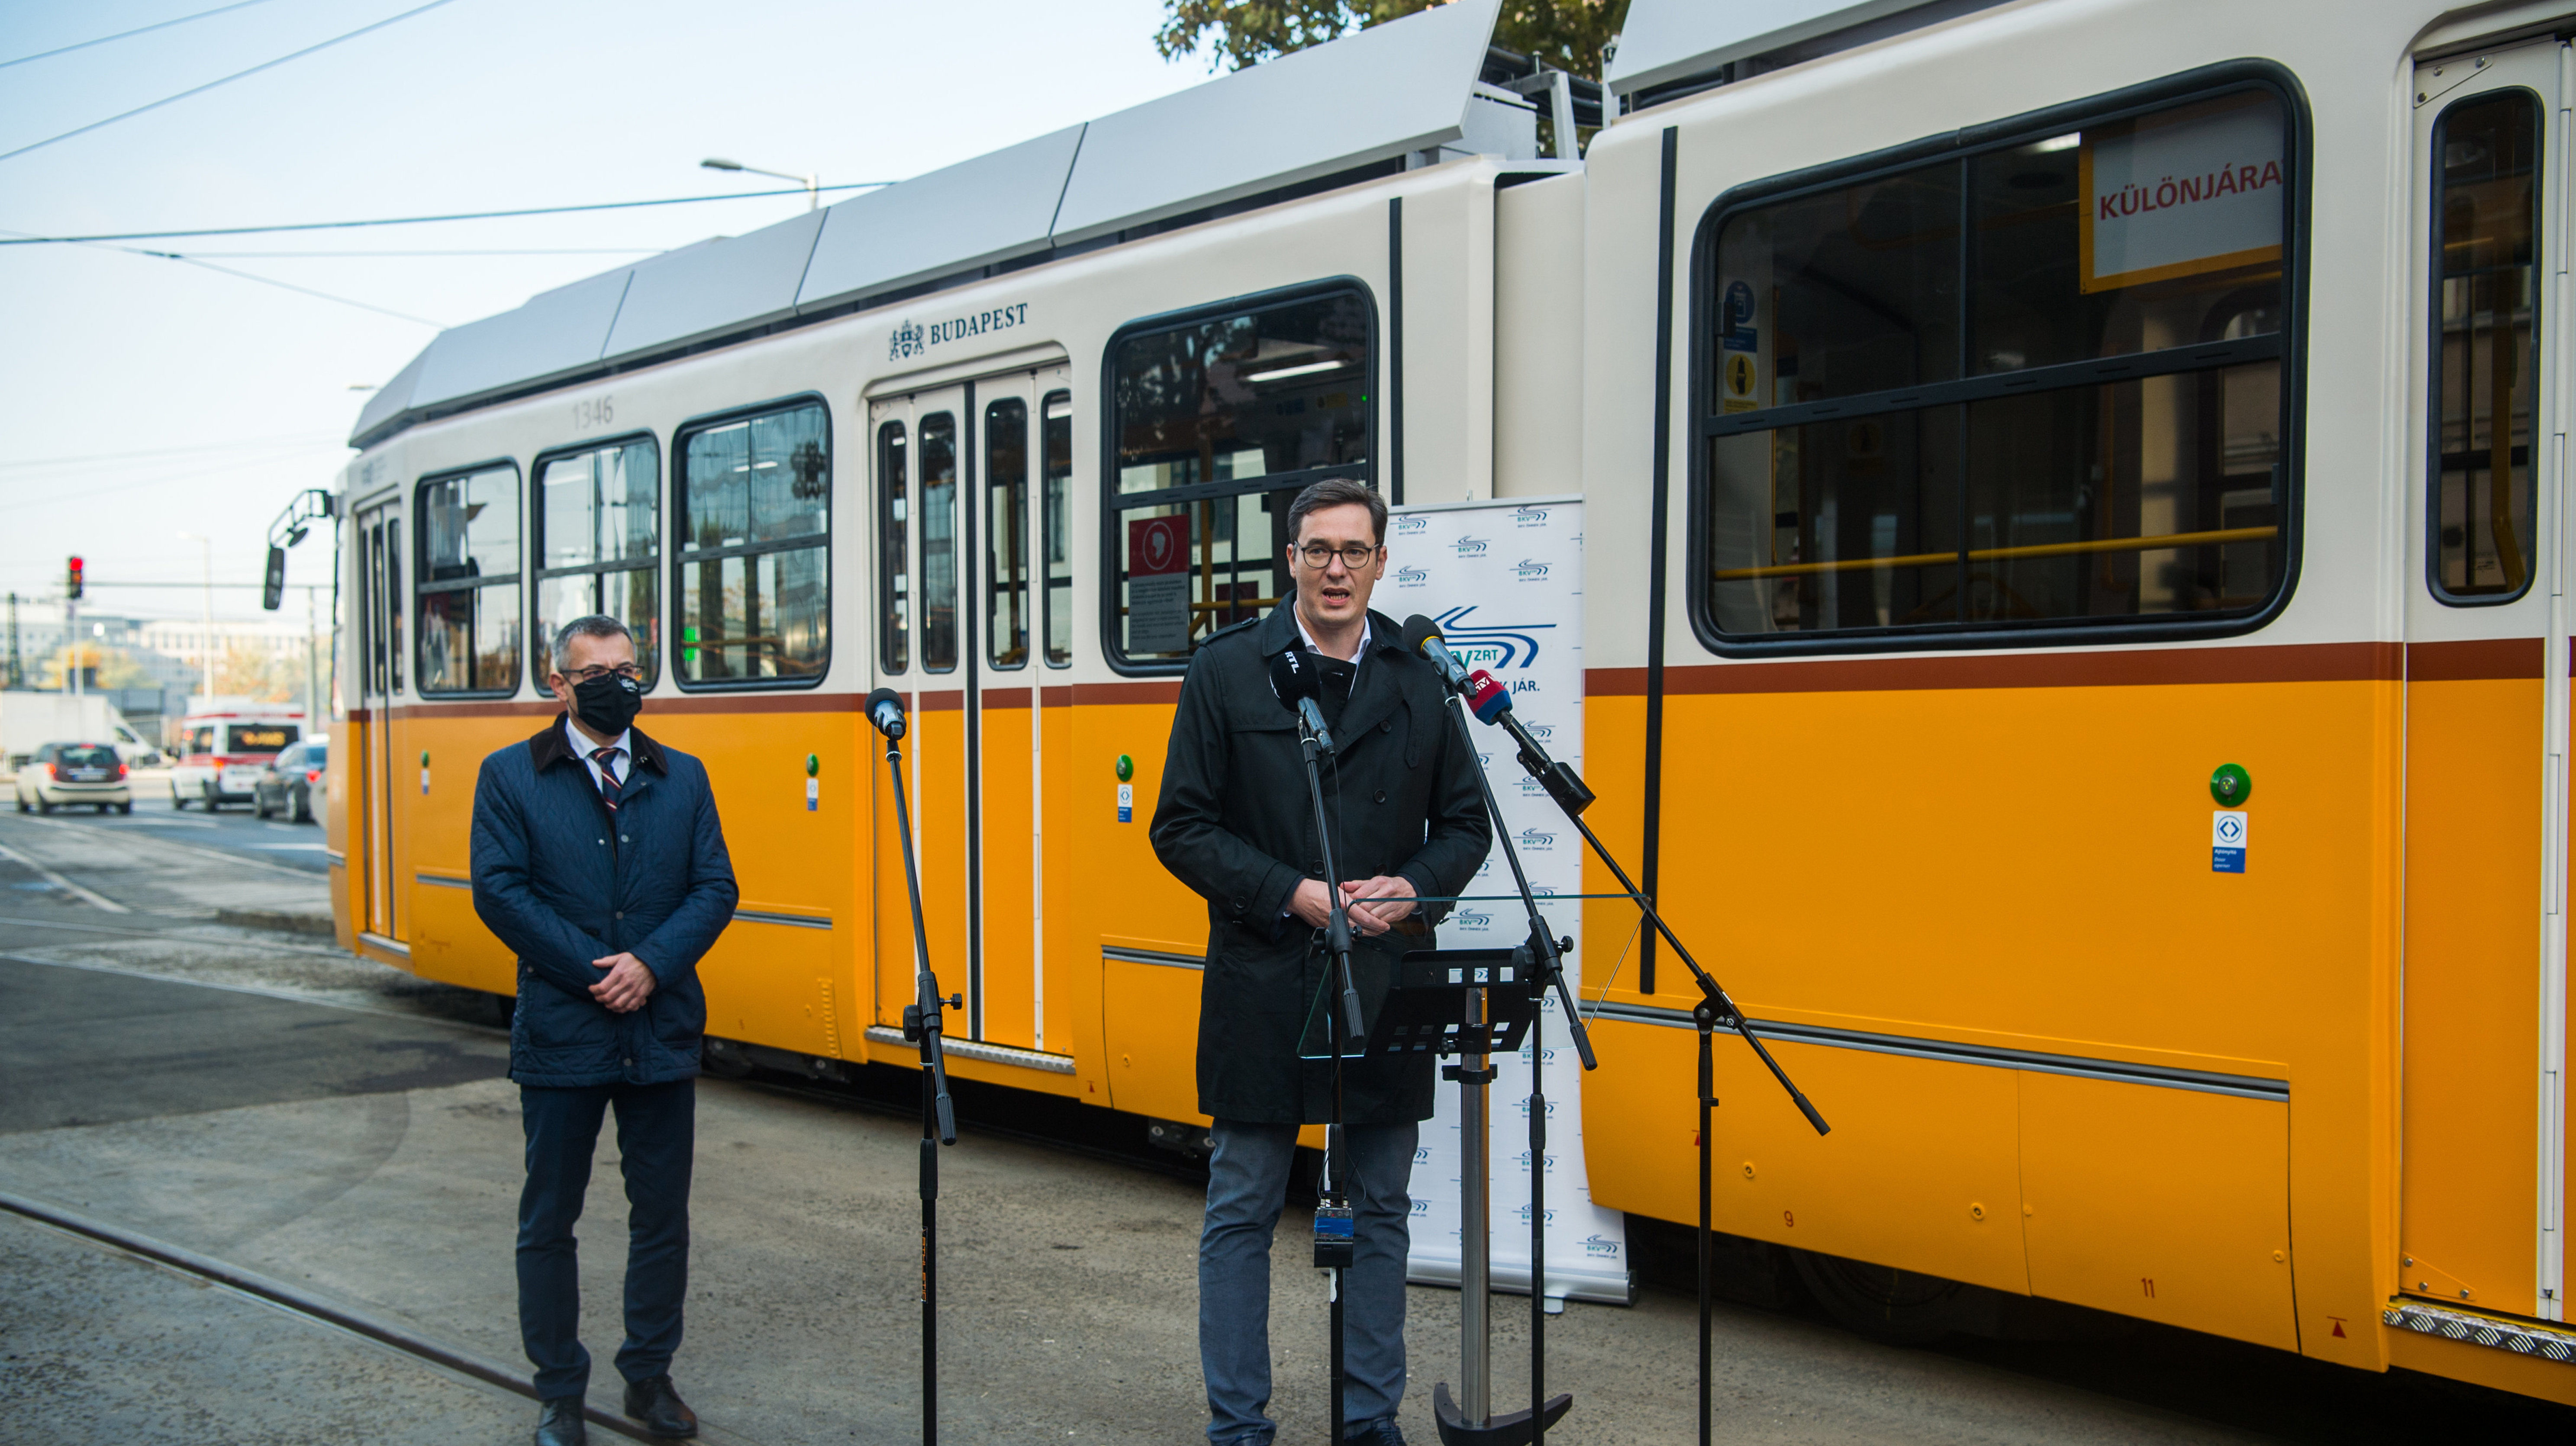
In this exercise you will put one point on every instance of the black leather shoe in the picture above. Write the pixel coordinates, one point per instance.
(655, 1404)
(560, 1423)
(1381, 1432)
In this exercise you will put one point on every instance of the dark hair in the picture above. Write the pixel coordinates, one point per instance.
(597, 625)
(1338, 492)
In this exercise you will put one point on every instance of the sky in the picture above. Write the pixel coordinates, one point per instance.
(142, 398)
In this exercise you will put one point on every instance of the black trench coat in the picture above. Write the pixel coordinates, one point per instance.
(1236, 824)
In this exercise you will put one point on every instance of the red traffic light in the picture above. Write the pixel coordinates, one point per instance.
(74, 578)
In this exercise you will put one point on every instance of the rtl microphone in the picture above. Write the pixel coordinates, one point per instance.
(1488, 698)
(1422, 635)
(1293, 680)
(885, 712)
(1493, 704)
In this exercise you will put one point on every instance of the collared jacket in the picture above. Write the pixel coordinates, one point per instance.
(563, 881)
(1236, 823)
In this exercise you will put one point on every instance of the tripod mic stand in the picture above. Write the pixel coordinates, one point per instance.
(1336, 1245)
(1714, 1008)
(921, 1024)
(1456, 1426)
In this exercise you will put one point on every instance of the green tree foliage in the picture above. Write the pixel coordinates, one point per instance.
(1568, 34)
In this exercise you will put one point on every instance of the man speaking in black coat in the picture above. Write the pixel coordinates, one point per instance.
(1235, 823)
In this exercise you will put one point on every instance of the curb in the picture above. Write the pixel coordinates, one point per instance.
(285, 921)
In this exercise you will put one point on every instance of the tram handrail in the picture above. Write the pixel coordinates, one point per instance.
(1997, 554)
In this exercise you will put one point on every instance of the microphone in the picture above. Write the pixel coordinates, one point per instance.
(885, 712)
(1492, 703)
(1293, 681)
(1486, 696)
(1422, 635)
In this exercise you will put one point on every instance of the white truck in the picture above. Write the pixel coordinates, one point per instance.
(29, 720)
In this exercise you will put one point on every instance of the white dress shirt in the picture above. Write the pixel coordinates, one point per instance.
(1356, 657)
(588, 752)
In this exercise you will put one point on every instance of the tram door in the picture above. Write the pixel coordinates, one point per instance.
(380, 666)
(2483, 1164)
(971, 509)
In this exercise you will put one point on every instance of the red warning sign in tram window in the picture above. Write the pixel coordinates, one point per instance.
(1157, 545)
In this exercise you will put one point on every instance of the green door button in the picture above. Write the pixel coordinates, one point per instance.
(1126, 768)
(2231, 785)
(813, 765)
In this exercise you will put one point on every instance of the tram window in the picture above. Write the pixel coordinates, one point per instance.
(894, 567)
(393, 598)
(2483, 376)
(1057, 526)
(469, 583)
(939, 543)
(1006, 533)
(598, 547)
(1217, 422)
(754, 498)
(2038, 384)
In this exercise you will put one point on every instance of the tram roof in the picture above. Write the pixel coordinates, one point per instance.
(1667, 41)
(1405, 86)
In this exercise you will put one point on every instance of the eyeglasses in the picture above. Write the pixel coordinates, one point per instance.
(628, 671)
(1354, 555)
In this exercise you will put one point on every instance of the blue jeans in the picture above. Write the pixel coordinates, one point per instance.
(1247, 1186)
(657, 1143)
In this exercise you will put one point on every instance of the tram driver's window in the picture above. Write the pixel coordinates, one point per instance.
(2486, 309)
(755, 499)
(598, 547)
(469, 583)
(2038, 384)
(1056, 528)
(1216, 423)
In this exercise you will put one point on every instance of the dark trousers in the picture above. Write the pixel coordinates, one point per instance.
(656, 1143)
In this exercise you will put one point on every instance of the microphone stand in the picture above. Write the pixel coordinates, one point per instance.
(1530, 1425)
(921, 1023)
(1715, 1008)
(1336, 1242)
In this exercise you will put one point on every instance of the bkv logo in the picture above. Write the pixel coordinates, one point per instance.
(1468, 547)
(1411, 577)
(1597, 1246)
(1551, 1162)
(906, 342)
(1421, 1207)
(1407, 526)
(1551, 1112)
(1537, 840)
(1540, 731)
(1524, 1214)
(1529, 571)
(1529, 517)
(1472, 919)
(1478, 645)
(1421, 1153)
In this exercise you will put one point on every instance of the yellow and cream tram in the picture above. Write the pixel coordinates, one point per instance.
(2023, 445)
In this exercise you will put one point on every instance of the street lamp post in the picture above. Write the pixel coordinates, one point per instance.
(812, 184)
(207, 655)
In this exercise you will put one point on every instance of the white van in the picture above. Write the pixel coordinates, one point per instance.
(221, 753)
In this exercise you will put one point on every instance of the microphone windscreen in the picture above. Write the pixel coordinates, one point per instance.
(1490, 699)
(1417, 631)
(877, 707)
(1292, 677)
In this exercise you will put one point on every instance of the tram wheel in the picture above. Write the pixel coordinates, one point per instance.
(1899, 1307)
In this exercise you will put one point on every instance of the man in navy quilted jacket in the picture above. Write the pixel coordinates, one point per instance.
(599, 861)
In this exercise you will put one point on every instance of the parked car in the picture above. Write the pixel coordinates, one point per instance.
(60, 774)
(287, 783)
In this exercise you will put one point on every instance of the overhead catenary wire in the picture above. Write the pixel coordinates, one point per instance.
(224, 80)
(29, 239)
(130, 34)
(263, 280)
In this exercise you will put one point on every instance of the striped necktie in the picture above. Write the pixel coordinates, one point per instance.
(607, 758)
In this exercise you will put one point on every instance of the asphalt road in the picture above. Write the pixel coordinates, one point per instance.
(270, 1102)
(232, 828)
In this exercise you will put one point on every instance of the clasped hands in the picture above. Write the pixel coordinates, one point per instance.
(1374, 904)
(629, 981)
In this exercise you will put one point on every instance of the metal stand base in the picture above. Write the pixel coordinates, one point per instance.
(1512, 1428)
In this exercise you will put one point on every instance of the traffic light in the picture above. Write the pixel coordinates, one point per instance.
(72, 581)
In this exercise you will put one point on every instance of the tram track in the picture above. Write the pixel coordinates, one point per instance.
(321, 1310)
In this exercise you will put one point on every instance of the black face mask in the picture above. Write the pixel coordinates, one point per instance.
(607, 703)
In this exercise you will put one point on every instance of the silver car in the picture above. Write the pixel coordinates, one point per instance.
(60, 774)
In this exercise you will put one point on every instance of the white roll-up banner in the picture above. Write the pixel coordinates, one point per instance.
(1504, 580)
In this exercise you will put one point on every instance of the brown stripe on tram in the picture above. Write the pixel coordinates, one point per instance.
(2287, 663)
(2477, 658)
